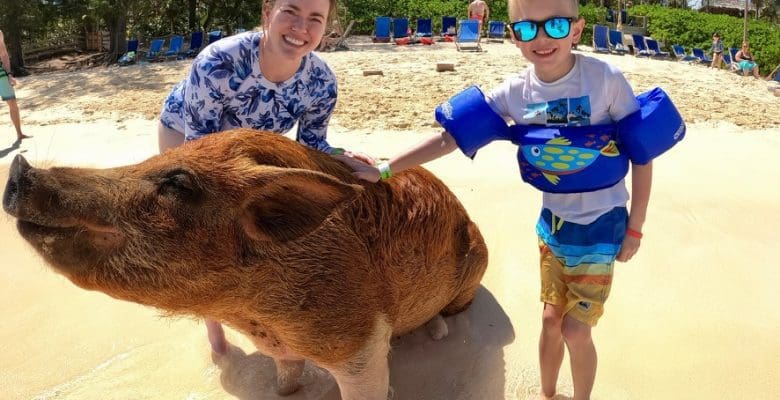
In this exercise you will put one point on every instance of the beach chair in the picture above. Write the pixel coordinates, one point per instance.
(655, 49)
(333, 43)
(699, 54)
(776, 74)
(424, 27)
(130, 55)
(155, 50)
(196, 42)
(496, 31)
(681, 55)
(468, 37)
(600, 39)
(640, 48)
(214, 36)
(616, 44)
(449, 26)
(174, 47)
(381, 30)
(400, 28)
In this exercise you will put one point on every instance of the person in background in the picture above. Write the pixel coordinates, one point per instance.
(717, 51)
(7, 83)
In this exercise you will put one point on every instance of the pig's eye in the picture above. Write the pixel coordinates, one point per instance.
(179, 182)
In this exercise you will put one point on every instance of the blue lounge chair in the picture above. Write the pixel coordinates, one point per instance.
(449, 26)
(640, 48)
(600, 39)
(733, 51)
(130, 55)
(616, 42)
(496, 31)
(655, 49)
(777, 74)
(468, 35)
(424, 27)
(214, 36)
(196, 42)
(155, 50)
(174, 47)
(381, 30)
(699, 54)
(400, 28)
(681, 55)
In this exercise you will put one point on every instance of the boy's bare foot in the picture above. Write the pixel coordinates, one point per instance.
(23, 136)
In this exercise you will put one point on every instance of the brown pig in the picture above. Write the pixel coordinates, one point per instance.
(271, 238)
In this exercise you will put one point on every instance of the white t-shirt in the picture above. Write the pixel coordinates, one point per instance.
(592, 93)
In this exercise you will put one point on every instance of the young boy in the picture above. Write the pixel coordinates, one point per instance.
(580, 234)
(717, 51)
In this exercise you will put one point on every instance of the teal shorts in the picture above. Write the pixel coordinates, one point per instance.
(6, 90)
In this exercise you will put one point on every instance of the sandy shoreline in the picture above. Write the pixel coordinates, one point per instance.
(692, 317)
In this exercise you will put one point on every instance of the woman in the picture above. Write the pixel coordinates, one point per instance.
(746, 62)
(267, 80)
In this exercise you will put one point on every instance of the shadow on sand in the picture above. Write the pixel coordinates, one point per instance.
(467, 364)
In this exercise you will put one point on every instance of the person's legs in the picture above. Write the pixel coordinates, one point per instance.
(582, 353)
(550, 349)
(755, 72)
(13, 110)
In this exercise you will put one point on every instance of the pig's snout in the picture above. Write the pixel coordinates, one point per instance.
(16, 180)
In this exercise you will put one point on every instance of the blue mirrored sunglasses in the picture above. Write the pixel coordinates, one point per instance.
(555, 27)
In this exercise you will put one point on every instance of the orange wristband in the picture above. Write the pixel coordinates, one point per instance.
(633, 233)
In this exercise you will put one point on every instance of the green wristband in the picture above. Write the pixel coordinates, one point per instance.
(337, 151)
(384, 170)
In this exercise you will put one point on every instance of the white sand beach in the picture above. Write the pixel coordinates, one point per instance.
(693, 316)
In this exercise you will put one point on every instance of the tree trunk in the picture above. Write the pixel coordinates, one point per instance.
(118, 40)
(192, 16)
(13, 38)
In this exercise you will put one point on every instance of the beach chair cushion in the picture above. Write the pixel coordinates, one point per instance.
(655, 49)
(640, 48)
(468, 37)
(699, 54)
(174, 48)
(381, 29)
(196, 42)
(681, 55)
(424, 27)
(155, 50)
(400, 28)
(496, 29)
(616, 42)
(600, 39)
(449, 26)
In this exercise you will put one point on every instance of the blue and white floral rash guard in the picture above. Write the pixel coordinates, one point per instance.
(225, 89)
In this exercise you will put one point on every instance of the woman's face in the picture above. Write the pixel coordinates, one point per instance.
(294, 28)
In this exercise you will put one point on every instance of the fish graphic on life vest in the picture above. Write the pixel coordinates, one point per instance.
(557, 157)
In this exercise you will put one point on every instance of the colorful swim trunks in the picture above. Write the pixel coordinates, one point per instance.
(576, 262)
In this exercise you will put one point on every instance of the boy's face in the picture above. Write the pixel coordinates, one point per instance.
(545, 53)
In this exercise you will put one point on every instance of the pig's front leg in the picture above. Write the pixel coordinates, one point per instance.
(367, 375)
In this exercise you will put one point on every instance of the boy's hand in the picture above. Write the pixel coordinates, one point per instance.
(362, 164)
(628, 249)
(11, 80)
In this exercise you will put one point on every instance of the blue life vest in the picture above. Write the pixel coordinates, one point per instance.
(569, 159)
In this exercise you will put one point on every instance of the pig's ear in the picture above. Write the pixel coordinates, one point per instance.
(289, 203)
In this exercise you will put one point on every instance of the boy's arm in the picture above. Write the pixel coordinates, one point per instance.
(428, 150)
(4, 54)
(641, 183)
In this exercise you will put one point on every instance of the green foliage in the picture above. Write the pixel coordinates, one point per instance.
(593, 15)
(694, 29)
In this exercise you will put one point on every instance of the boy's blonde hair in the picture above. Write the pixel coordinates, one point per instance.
(516, 6)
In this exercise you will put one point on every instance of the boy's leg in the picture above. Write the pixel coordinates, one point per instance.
(550, 340)
(550, 349)
(582, 353)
